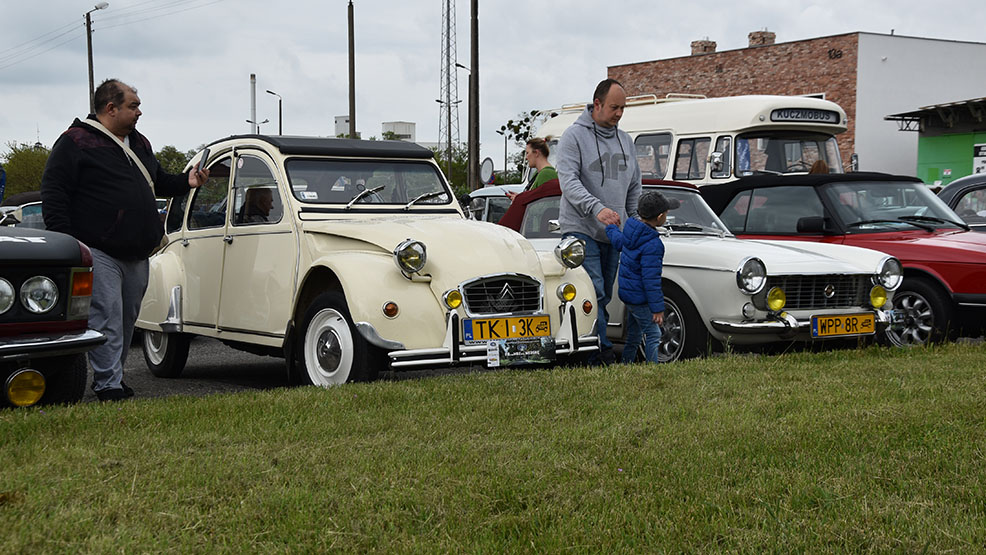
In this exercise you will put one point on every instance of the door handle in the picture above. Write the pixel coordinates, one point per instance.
(184, 242)
(228, 239)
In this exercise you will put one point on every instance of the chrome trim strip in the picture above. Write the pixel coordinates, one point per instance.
(173, 323)
(370, 334)
(42, 346)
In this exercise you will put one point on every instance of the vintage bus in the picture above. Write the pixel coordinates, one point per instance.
(711, 140)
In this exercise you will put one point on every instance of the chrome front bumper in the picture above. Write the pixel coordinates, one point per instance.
(785, 325)
(49, 345)
(454, 351)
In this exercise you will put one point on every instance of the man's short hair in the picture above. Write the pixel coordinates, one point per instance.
(602, 89)
(110, 90)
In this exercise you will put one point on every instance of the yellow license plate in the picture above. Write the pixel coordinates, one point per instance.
(835, 325)
(485, 329)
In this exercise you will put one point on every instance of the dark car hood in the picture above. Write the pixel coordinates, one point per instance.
(19, 245)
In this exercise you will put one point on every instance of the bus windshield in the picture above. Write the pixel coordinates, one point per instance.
(780, 152)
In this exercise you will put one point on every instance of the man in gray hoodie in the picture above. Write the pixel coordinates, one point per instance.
(600, 185)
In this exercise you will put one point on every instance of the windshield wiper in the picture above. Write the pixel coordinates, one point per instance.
(423, 197)
(688, 226)
(915, 224)
(936, 220)
(362, 194)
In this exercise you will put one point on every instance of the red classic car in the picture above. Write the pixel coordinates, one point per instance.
(944, 289)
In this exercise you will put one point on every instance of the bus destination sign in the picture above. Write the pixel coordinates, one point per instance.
(805, 114)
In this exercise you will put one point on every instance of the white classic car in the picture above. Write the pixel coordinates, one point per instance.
(719, 289)
(352, 257)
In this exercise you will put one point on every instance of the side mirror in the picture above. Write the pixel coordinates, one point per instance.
(811, 224)
(716, 159)
(554, 226)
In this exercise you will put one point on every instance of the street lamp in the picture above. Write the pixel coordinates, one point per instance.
(280, 129)
(257, 125)
(92, 87)
(503, 131)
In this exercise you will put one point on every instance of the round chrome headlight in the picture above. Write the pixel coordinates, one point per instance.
(890, 273)
(39, 294)
(751, 277)
(570, 252)
(7, 295)
(410, 256)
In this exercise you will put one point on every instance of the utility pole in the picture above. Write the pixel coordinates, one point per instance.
(92, 85)
(352, 75)
(473, 176)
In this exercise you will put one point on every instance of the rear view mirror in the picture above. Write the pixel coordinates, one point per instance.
(811, 224)
(716, 158)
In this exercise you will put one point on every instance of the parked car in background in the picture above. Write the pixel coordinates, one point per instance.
(719, 289)
(967, 197)
(944, 288)
(490, 203)
(45, 289)
(353, 257)
(23, 210)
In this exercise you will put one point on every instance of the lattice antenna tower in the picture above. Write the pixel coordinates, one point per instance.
(448, 118)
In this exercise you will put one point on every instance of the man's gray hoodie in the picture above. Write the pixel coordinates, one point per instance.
(597, 168)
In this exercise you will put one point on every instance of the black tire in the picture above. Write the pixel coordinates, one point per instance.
(330, 350)
(165, 353)
(927, 314)
(683, 334)
(65, 378)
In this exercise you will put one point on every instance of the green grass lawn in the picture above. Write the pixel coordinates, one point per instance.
(853, 450)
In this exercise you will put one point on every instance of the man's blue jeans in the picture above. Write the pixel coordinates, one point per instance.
(640, 321)
(601, 263)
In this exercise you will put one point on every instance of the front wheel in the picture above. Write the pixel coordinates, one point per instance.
(165, 353)
(923, 314)
(684, 335)
(330, 350)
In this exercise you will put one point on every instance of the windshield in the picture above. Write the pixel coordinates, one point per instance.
(693, 214)
(868, 206)
(781, 152)
(366, 182)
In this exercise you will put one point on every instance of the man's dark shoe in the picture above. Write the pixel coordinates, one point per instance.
(126, 389)
(607, 357)
(115, 394)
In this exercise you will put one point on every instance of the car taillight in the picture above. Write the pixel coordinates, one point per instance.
(86, 254)
(81, 292)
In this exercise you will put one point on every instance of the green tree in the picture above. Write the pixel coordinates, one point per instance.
(173, 160)
(24, 164)
(520, 129)
(390, 136)
(457, 177)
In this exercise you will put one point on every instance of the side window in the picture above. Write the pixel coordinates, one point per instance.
(255, 196)
(652, 155)
(690, 160)
(176, 214)
(778, 209)
(537, 217)
(972, 207)
(208, 208)
(734, 216)
(723, 147)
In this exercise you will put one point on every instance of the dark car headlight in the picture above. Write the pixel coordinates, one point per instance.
(39, 294)
(7, 295)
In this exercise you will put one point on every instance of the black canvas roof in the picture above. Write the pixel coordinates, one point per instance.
(328, 146)
(719, 194)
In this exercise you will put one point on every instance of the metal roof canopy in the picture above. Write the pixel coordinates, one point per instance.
(948, 113)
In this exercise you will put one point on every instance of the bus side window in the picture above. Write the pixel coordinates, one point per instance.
(652, 155)
(721, 159)
(690, 160)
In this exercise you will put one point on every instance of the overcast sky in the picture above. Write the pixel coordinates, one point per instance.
(191, 60)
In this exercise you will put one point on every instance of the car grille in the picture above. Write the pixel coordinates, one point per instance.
(809, 292)
(502, 295)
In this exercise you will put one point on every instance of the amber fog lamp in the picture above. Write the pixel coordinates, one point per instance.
(25, 387)
(587, 306)
(776, 299)
(390, 309)
(7, 295)
(566, 292)
(452, 298)
(39, 294)
(878, 296)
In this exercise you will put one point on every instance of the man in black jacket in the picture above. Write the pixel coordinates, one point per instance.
(94, 189)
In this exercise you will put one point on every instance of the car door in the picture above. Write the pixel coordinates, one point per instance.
(202, 246)
(259, 250)
(775, 213)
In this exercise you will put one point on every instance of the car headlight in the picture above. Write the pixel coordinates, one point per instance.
(410, 256)
(890, 273)
(566, 292)
(39, 294)
(570, 252)
(7, 295)
(751, 277)
(878, 296)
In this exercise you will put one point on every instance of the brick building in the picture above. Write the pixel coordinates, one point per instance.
(870, 75)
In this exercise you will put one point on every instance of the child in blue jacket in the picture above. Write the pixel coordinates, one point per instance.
(640, 273)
